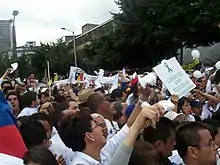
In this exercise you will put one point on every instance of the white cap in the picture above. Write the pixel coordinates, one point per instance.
(43, 90)
(167, 105)
(171, 115)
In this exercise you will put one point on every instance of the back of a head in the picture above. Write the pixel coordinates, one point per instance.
(39, 155)
(188, 135)
(144, 154)
(163, 131)
(28, 98)
(73, 132)
(42, 117)
(116, 94)
(33, 134)
(213, 126)
(94, 101)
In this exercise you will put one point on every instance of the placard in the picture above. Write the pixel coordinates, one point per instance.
(174, 77)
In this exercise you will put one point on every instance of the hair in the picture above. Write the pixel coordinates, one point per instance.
(145, 154)
(213, 126)
(118, 107)
(42, 94)
(39, 155)
(73, 134)
(23, 120)
(42, 117)
(163, 131)
(15, 94)
(94, 102)
(58, 98)
(66, 104)
(7, 89)
(5, 82)
(188, 135)
(216, 79)
(181, 103)
(28, 98)
(33, 134)
(116, 94)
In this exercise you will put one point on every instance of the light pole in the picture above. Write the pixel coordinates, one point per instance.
(14, 48)
(74, 45)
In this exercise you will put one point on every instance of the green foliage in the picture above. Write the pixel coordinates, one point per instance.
(148, 31)
(58, 54)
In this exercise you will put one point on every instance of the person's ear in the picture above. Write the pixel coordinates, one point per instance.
(159, 144)
(89, 137)
(193, 152)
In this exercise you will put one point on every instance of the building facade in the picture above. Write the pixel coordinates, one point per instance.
(5, 35)
(93, 31)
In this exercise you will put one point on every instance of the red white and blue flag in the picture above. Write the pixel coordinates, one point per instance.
(12, 147)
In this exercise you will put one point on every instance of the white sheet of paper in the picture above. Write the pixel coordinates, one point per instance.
(174, 77)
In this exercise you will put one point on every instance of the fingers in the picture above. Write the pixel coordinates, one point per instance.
(152, 116)
(60, 160)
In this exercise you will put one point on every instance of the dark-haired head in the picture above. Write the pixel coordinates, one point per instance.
(33, 134)
(39, 155)
(184, 106)
(83, 133)
(194, 143)
(162, 137)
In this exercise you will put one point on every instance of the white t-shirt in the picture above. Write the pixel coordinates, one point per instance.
(28, 112)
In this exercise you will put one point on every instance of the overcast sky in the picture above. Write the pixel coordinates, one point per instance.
(41, 20)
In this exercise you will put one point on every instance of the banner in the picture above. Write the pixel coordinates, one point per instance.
(190, 65)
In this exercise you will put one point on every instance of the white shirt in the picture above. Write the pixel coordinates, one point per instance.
(208, 111)
(1, 81)
(65, 152)
(175, 158)
(107, 151)
(112, 128)
(84, 159)
(10, 160)
(28, 112)
(190, 118)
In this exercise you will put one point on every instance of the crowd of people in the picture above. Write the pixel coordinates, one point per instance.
(133, 125)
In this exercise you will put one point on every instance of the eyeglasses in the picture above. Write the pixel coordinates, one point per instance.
(102, 125)
(210, 144)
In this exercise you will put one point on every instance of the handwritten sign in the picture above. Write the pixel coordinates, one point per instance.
(174, 77)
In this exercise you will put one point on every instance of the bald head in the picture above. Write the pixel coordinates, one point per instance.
(95, 101)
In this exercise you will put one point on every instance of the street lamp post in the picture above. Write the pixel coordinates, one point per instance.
(74, 45)
(14, 47)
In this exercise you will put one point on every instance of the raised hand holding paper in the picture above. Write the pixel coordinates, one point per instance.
(14, 67)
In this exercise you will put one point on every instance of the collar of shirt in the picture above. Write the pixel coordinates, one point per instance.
(81, 158)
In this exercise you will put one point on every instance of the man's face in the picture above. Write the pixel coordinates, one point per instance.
(13, 99)
(207, 149)
(6, 85)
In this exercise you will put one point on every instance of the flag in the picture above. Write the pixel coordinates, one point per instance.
(56, 77)
(11, 142)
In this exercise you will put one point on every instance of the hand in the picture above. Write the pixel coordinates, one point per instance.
(174, 99)
(145, 93)
(60, 160)
(152, 115)
(197, 91)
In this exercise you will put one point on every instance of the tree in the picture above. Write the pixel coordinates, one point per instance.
(58, 54)
(148, 31)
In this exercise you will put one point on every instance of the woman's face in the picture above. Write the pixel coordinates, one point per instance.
(186, 108)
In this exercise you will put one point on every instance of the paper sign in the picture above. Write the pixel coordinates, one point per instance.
(174, 77)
